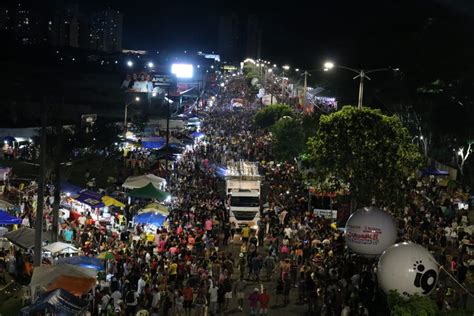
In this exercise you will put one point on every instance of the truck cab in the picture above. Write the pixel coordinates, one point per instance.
(243, 189)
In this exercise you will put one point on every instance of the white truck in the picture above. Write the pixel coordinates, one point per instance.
(243, 193)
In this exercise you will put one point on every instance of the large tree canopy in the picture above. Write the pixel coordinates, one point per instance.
(269, 115)
(370, 152)
(288, 138)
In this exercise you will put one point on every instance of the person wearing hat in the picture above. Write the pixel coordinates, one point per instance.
(253, 301)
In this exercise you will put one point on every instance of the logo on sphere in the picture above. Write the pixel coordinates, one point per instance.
(424, 279)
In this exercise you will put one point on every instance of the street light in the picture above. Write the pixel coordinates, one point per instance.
(150, 65)
(362, 74)
(286, 67)
(130, 63)
(125, 116)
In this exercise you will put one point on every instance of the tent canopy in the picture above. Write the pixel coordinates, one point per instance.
(44, 275)
(155, 208)
(149, 192)
(58, 301)
(60, 247)
(75, 285)
(432, 171)
(197, 134)
(5, 205)
(108, 201)
(152, 218)
(143, 180)
(23, 237)
(7, 219)
(83, 261)
(90, 198)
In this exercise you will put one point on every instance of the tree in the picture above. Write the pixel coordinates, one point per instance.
(462, 154)
(269, 115)
(414, 305)
(288, 138)
(369, 152)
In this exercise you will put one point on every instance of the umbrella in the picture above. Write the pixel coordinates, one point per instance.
(5, 244)
(155, 208)
(108, 201)
(83, 261)
(106, 255)
(156, 219)
(3, 230)
(149, 192)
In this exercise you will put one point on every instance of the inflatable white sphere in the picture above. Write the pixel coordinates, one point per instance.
(369, 231)
(408, 268)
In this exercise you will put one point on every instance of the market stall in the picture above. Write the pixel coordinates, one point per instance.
(149, 192)
(143, 180)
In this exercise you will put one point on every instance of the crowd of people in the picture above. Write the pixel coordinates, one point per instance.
(197, 265)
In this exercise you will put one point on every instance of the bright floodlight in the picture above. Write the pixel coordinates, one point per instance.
(328, 65)
(286, 67)
(129, 63)
(270, 70)
(137, 99)
(182, 70)
(150, 65)
(297, 69)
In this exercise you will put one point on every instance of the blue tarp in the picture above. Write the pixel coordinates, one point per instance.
(434, 172)
(197, 134)
(67, 187)
(90, 198)
(58, 302)
(156, 219)
(154, 145)
(7, 219)
(83, 261)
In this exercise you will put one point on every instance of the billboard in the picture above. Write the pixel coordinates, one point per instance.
(145, 82)
(184, 71)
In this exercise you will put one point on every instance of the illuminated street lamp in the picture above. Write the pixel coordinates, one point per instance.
(286, 67)
(130, 63)
(125, 116)
(362, 74)
(150, 65)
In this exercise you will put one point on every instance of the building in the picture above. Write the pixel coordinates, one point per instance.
(105, 31)
(27, 24)
(254, 37)
(64, 27)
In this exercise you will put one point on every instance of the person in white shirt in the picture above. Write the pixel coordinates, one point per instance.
(117, 296)
(213, 299)
(141, 285)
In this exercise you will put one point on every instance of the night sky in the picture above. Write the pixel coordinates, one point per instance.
(300, 32)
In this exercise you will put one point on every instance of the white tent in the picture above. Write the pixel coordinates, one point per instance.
(4, 205)
(60, 247)
(44, 275)
(141, 181)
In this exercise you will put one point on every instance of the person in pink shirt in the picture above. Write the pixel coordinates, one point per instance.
(208, 225)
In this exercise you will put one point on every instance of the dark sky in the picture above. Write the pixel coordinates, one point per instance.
(298, 32)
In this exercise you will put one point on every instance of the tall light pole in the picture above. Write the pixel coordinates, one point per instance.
(125, 116)
(362, 74)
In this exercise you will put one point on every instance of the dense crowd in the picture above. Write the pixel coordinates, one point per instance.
(191, 266)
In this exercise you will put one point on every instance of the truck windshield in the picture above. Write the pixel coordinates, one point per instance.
(245, 201)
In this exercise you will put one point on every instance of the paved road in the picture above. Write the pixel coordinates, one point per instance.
(277, 307)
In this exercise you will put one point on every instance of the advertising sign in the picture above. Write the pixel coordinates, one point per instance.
(328, 214)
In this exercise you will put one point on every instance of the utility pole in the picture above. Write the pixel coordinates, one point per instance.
(361, 88)
(305, 88)
(40, 192)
